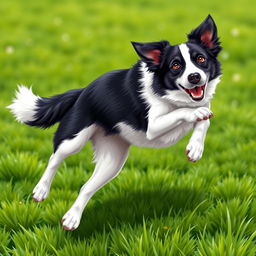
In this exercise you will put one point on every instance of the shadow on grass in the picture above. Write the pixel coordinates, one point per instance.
(131, 207)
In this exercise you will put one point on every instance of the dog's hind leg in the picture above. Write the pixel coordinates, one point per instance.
(110, 155)
(66, 148)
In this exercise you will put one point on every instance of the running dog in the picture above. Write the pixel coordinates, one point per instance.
(153, 104)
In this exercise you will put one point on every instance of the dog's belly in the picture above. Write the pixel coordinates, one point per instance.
(139, 138)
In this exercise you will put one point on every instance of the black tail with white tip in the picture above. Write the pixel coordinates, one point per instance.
(40, 111)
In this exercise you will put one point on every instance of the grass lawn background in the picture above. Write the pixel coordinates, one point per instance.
(160, 204)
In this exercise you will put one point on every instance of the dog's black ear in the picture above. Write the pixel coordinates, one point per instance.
(151, 53)
(206, 35)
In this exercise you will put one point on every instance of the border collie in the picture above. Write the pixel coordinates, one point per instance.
(153, 104)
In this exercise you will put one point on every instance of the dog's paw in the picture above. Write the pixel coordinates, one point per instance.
(200, 114)
(71, 220)
(40, 192)
(194, 151)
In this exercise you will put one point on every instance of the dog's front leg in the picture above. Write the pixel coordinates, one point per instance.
(161, 120)
(195, 147)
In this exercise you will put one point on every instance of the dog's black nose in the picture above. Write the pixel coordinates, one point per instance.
(194, 78)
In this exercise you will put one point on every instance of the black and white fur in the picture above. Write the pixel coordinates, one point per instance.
(153, 104)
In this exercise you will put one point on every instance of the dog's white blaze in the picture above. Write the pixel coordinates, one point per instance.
(190, 68)
(24, 105)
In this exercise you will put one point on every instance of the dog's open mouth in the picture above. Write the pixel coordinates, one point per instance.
(196, 93)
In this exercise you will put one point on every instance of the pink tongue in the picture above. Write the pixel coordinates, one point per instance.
(196, 91)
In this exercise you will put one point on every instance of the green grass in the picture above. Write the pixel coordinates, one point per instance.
(160, 204)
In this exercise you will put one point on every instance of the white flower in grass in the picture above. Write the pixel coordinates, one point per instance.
(28, 42)
(225, 55)
(236, 77)
(235, 32)
(57, 21)
(69, 67)
(88, 33)
(234, 103)
(65, 37)
(9, 49)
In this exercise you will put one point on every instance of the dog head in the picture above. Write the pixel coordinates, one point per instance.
(185, 73)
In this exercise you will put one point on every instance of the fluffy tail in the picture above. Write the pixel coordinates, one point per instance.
(42, 112)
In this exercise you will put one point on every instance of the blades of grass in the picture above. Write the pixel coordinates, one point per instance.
(20, 166)
(14, 214)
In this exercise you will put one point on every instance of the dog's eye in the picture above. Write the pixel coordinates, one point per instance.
(175, 66)
(200, 59)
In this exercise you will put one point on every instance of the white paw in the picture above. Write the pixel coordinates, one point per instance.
(41, 191)
(71, 219)
(199, 114)
(194, 150)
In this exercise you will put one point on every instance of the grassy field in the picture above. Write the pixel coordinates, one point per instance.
(160, 204)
